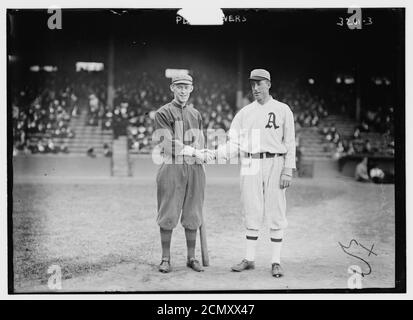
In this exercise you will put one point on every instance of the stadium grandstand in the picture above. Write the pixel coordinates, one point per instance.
(74, 101)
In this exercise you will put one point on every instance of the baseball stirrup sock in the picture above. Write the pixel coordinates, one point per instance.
(252, 237)
(276, 244)
(190, 236)
(166, 236)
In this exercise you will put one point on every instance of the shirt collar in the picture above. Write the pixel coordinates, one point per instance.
(271, 99)
(176, 104)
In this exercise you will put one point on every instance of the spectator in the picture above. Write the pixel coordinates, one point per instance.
(376, 174)
(361, 173)
(51, 146)
(350, 151)
(379, 175)
(41, 148)
(336, 138)
(91, 152)
(64, 148)
(367, 147)
(356, 134)
(339, 151)
(364, 127)
(107, 152)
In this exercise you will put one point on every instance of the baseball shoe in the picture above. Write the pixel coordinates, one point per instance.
(194, 265)
(276, 270)
(165, 265)
(243, 265)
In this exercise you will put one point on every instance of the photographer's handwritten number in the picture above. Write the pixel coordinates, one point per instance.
(355, 21)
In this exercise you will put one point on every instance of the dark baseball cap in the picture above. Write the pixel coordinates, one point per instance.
(260, 74)
(185, 79)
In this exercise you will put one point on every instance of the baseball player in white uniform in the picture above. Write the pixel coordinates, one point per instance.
(262, 133)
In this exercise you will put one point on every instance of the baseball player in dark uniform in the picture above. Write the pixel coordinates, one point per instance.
(181, 177)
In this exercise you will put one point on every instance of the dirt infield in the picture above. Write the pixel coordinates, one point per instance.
(103, 235)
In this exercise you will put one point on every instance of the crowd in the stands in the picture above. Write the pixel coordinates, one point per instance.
(373, 135)
(139, 95)
(41, 111)
(43, 106)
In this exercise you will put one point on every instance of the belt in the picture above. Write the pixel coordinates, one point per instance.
(262, 155)
(179, 159)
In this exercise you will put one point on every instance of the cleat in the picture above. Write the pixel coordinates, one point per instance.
(194, 265)
(243, 265)
(165, 266)
(276, 270)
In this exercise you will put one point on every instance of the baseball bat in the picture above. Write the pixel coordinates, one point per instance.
(204, 245)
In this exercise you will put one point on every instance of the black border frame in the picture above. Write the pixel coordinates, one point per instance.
(400, 189)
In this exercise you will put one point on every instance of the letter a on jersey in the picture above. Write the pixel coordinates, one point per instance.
(271, 121)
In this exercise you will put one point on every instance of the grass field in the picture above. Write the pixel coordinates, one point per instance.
(103, 235)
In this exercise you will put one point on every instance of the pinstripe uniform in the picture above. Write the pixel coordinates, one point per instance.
(259, 129)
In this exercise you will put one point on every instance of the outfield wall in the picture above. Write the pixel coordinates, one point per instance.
(347, 165)
(61, 166)
(142, 166)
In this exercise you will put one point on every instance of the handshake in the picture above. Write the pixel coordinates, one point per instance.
(205, 155)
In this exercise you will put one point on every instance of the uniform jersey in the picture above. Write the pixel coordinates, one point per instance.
(180, 184)
(179, 126)
(262, 128)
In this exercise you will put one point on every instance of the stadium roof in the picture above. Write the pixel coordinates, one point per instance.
(293, 39)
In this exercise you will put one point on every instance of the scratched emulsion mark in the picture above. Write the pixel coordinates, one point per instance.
(350, 251)
(384, 200)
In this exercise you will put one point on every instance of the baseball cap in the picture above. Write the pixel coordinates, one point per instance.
(260, 74)
(185, 79)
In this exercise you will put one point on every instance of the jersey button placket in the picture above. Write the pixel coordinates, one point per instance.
(183, 132)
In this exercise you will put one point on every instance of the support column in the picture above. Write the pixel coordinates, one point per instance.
(111, 76)
(240, 72)
(358, 79)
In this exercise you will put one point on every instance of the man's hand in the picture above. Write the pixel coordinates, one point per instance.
(205, 155)
(286, 177)
(210, 155)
